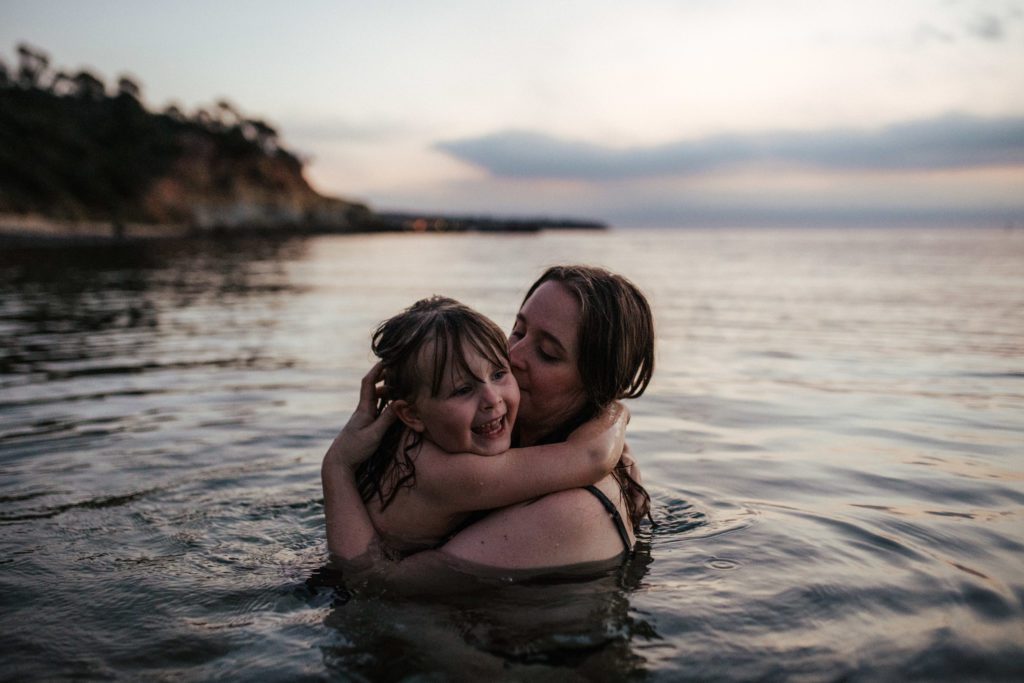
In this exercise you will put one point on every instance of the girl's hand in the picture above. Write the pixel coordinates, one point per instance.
(350, 532)
(362, 433)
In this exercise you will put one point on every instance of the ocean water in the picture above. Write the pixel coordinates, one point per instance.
(834, 443)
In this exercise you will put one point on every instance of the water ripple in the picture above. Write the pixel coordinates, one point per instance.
(89, 504)
(831, 442)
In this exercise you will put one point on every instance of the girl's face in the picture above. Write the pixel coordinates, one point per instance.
(468, 415)
(544, 350)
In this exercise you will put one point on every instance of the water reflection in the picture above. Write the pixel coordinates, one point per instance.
(103, 310)
(549, 627)
(102, 349)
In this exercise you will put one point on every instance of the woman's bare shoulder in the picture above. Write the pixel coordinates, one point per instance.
(559, 529)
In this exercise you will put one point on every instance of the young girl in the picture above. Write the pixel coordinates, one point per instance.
(446, 378)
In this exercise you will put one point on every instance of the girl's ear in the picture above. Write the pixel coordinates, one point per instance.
(408, 414)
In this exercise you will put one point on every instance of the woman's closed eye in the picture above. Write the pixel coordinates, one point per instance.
(545, 356)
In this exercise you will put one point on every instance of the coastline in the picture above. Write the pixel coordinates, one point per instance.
(40, 229)
(35, 230)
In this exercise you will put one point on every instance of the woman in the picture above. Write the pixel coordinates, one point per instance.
(583, 339)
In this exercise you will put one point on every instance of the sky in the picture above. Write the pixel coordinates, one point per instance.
(643, 113)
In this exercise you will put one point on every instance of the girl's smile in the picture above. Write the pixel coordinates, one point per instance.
(473, 412)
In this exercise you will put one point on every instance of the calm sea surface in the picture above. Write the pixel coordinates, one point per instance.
(834, 441)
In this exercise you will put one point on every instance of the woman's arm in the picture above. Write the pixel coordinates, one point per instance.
(465, 482)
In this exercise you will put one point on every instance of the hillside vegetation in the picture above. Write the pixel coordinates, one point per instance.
(72, 149)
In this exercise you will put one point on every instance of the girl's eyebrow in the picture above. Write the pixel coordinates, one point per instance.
(544, 333)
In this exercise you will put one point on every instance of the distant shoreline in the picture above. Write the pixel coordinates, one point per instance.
(35, 229)
(421, 222)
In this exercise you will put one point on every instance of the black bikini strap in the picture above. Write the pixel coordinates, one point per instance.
(614, 513)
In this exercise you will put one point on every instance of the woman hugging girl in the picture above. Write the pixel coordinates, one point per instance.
(446, 377)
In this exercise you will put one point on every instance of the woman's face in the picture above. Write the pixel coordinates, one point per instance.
(544, 350)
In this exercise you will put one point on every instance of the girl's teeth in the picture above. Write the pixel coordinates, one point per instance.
(489, 428)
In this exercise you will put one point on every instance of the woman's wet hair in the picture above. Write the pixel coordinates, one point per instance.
(616, 333)
(616, 351)
(416, 349)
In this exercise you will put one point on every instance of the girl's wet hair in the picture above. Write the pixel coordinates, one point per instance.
(417, 348)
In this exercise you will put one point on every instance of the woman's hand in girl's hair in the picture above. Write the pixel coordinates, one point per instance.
(362, 433)
(603, 436)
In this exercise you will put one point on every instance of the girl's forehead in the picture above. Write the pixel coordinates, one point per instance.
(458, 361)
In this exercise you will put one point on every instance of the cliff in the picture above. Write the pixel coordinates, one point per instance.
(208, 188)
(76, 159)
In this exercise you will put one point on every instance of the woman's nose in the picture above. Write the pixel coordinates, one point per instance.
(517, 355)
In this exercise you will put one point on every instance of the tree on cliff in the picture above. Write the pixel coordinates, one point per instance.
(88, 86)
(174, 113)
(228, 115)
(265, 135)
(33, 66)
(129, 88)
(62, 84)
(68, 149)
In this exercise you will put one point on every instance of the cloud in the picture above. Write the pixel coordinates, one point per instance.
(947, 142)
(928, 33)
(987, 27)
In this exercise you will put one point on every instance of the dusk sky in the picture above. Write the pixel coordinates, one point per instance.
(646, 113)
